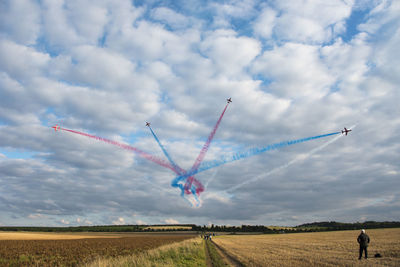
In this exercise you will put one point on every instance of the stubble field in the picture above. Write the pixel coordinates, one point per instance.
(33, 249)
(312, 249)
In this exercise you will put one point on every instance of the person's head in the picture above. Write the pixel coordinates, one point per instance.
(363, 231)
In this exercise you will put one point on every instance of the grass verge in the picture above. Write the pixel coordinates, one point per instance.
(214, 255)
(188, 253)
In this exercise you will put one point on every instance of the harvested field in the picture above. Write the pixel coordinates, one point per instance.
(71, 252)
(312, 249)
(53, 236)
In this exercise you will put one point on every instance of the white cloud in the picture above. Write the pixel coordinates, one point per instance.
(20, 20)
(21, 62)
(230, 53)
(265, 23)
(310, 21)
(348, 62)
(140, 222)
(295, 70)
(56, 25)
(170, 17)
(301, 29)
(64, 222)
(171, 221)
(233, 9)
(119, 221)
(36, 216)
(87, 18)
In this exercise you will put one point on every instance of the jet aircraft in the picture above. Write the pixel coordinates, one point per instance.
(345, 131)
(147, 124)
(229, 100)
(56, 127)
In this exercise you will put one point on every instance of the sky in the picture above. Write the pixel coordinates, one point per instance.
(294, 69)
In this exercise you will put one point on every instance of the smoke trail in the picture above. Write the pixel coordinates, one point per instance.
(178, 170)
(190, 179)
(211, 179)
(127, 147)
(298, 158)
(251, 152)
(203, 152)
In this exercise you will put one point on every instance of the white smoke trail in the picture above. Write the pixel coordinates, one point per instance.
(211, 179)
(299, 158)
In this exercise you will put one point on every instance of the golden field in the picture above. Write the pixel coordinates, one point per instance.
(313, 249)
(53, 236)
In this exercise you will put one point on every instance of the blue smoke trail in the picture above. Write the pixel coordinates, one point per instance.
(251, 152)
(174, 165)
(298, 158)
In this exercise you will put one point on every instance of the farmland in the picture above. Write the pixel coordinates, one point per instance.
(73, 249)
(312, 249)
(171, 249)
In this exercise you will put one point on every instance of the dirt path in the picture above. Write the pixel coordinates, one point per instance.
(232, 261)
(208, 258)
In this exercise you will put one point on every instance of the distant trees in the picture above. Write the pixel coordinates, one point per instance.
(308, 227)
(335, 226)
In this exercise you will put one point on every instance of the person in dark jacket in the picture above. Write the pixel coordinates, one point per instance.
(363, 240)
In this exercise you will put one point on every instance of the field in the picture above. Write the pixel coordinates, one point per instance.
(42, 249)
(312, 249)
(172, 249)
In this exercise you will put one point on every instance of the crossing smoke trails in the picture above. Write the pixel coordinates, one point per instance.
(203, 151)
(298, 158)
(199, 187)
(251, 152)
(192, 185)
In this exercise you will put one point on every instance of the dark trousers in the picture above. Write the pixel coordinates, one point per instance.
(363, 248)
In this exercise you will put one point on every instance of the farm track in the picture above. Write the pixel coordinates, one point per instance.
(207, 252)
(232, 261)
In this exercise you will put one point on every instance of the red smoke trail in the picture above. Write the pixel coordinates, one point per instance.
(127, 147)
(200, 157)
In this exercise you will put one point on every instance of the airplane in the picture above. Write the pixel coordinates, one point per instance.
(229, 100)
(345, 131)
(147, 124)
(56, 127)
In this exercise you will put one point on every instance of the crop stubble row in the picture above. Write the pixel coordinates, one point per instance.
(313, 249)
(74, 252)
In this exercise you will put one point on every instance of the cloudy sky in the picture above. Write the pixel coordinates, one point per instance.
(294, 69)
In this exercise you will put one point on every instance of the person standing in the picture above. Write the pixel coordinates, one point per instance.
(363, 240)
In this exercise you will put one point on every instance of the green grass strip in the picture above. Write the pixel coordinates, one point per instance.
(214, 255)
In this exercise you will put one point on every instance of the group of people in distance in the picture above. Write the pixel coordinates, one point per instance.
(207, 236)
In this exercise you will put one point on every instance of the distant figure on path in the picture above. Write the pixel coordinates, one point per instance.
(363, 240)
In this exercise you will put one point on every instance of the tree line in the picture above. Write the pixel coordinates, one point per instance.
(308, 227)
